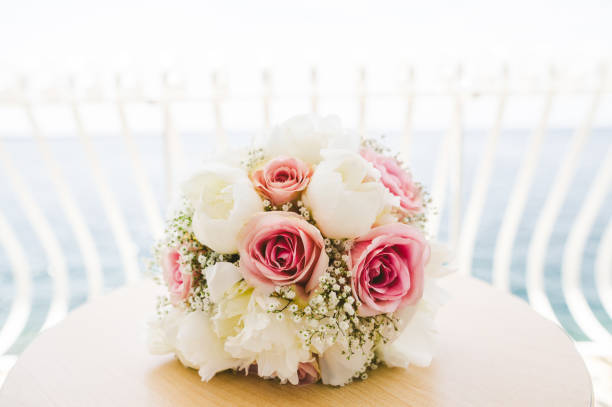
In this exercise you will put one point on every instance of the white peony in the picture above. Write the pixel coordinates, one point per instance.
(199, 346)
(223, 200)
(305, 136)
(270, 342)
(230, 310)
(220, 277)
(415, 344)
(336, 369)
(191, 337)
(161, 332)
(344, 194)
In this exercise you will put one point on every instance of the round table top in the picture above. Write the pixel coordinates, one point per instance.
(492, 350)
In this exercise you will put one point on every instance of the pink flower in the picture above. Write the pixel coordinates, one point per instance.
(397, 181)
(387, 266)
(308, 373)
(282, 179)
(281, 248)
(178, 283)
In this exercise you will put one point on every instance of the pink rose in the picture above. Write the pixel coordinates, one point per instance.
(281, 248)
(308, 373)
(397, 181)
(179, 283)
(387, 266)
(282, 179)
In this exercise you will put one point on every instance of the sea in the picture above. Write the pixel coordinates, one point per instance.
(112, 154)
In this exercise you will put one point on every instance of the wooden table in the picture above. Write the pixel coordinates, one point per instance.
(493, 350)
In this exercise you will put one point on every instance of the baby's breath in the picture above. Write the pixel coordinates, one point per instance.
(193, 259)
(254, 158)
(332, 311)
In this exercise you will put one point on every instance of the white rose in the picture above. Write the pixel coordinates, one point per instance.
(344, 195)
(305, 136)
(336, 369)
(198, 346)
(223, 200)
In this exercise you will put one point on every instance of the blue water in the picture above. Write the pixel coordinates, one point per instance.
(114, 159)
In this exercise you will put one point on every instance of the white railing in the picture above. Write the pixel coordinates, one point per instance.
(448, 179)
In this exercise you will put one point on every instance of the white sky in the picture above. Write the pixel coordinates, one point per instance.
(269, 32)
(242, 37)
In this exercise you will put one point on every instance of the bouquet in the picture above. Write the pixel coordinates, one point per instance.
(302, 260)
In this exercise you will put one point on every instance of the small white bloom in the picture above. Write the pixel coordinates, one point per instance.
(345, 195)
(348, 308)
(202, 259)
(290, 294)
(316, 300)
(344, 325)
(293, 307)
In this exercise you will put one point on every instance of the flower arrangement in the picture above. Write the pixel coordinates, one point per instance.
(304, 261)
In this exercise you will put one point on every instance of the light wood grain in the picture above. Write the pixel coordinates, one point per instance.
(493, 350)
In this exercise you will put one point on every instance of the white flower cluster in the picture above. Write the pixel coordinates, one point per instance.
(213, 320)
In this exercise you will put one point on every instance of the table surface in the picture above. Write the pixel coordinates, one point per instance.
(492, 350)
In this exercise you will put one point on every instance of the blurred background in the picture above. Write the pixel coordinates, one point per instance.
(503, 109)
